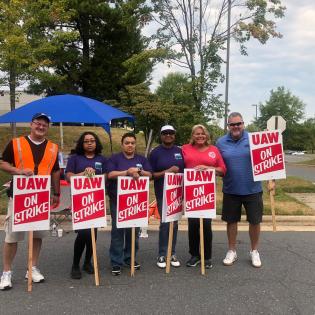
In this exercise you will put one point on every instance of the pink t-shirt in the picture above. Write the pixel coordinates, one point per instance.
(210, 157)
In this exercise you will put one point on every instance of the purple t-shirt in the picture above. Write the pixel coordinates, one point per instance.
(118, 162)
(78, 163)
(162, 158)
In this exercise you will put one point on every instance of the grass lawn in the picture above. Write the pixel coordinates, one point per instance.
(285, 205)
(309, 162)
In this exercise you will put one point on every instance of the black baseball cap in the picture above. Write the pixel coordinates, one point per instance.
(41, 115)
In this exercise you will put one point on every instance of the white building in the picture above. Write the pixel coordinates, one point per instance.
(22, 98)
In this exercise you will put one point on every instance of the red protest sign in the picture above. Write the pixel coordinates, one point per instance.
(88, 202)
(172, 197)
(31, 203)
(199, 193)
(267, 155)
(132, 202)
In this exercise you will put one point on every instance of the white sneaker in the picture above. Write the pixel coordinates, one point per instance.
(36, 275)
(230, 258)
(6, 283)
(254, 255)
(174, 261)
(161, 262)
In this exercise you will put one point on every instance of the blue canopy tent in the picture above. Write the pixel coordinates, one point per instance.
(68, 109)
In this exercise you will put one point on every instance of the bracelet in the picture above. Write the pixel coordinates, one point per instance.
(57, 194)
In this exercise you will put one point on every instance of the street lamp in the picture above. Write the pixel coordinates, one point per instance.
(227, 73)
(255, 105)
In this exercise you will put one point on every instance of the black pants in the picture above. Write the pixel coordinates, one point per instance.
(194, 237)
(83, 240)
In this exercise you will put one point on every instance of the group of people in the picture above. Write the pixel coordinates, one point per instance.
(230, 158)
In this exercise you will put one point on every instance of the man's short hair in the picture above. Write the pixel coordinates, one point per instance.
(234, 114)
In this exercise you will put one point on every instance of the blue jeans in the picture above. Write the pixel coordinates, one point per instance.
(120, 245)
(164, 231)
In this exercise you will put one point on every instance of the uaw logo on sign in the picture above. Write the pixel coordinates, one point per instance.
(132, 202)
(88, 202)
(199, 193)
(172, 197)
(267, 155)
(31, 203)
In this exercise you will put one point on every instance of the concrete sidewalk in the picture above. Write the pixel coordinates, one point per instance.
(283, 223)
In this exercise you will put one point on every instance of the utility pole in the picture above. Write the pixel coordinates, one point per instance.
(227, 69)
(255, 105)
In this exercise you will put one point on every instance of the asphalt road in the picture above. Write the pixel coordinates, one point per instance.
(284, 285)
(305, 172)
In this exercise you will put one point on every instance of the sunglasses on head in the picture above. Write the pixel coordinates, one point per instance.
(168, 132)
(236, 124)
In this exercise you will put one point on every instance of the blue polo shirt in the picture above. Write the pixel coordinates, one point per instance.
(238, 179)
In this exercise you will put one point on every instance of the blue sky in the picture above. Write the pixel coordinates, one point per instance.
(288, 62)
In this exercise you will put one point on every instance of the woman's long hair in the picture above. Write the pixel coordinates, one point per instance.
(79, 149)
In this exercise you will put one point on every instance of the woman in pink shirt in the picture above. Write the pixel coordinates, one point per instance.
(200, 155)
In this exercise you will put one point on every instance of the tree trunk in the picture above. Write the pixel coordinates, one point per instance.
(84, 30)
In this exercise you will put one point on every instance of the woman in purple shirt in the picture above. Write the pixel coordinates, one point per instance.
(87, 161)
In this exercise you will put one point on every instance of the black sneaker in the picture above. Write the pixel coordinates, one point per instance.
(193, 261)
(175, 262)
(137, 265)
(161, 262)
(88, 268)
(208, 264)
(116, 270)
(76, 272)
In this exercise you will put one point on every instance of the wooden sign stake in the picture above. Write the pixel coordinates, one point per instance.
(169, 247)
(96, 273)
(202, 248)
(30, 261)
(272, 192)
(133, 240)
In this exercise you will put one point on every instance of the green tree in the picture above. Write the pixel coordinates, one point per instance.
(300, 137)
(149, 112)
(175, 90)
(201, 34)
(109, 33)
(281, 102)
(24, 42)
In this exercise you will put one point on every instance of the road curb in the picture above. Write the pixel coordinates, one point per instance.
(283, 223)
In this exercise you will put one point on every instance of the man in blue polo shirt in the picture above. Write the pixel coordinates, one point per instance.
(239, 189)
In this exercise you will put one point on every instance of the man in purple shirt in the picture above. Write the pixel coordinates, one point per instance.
(167, 157)
(126, 163)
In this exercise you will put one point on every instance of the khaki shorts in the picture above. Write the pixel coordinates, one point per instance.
(14, 237)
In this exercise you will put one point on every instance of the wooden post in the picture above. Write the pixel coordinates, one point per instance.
(96, 273)
(133, 241)
(169, 247)
(272, 192)
(202, 248)
(30, 261)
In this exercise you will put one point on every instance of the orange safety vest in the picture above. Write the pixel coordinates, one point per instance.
(23, 156)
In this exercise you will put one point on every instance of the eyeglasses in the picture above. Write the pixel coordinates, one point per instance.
(38, 124)
(89, 141)
(236, 124)
(165, 133)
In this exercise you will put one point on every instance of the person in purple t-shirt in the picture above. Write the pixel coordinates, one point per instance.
(167, 157)
(126, 163)
(87, 161)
